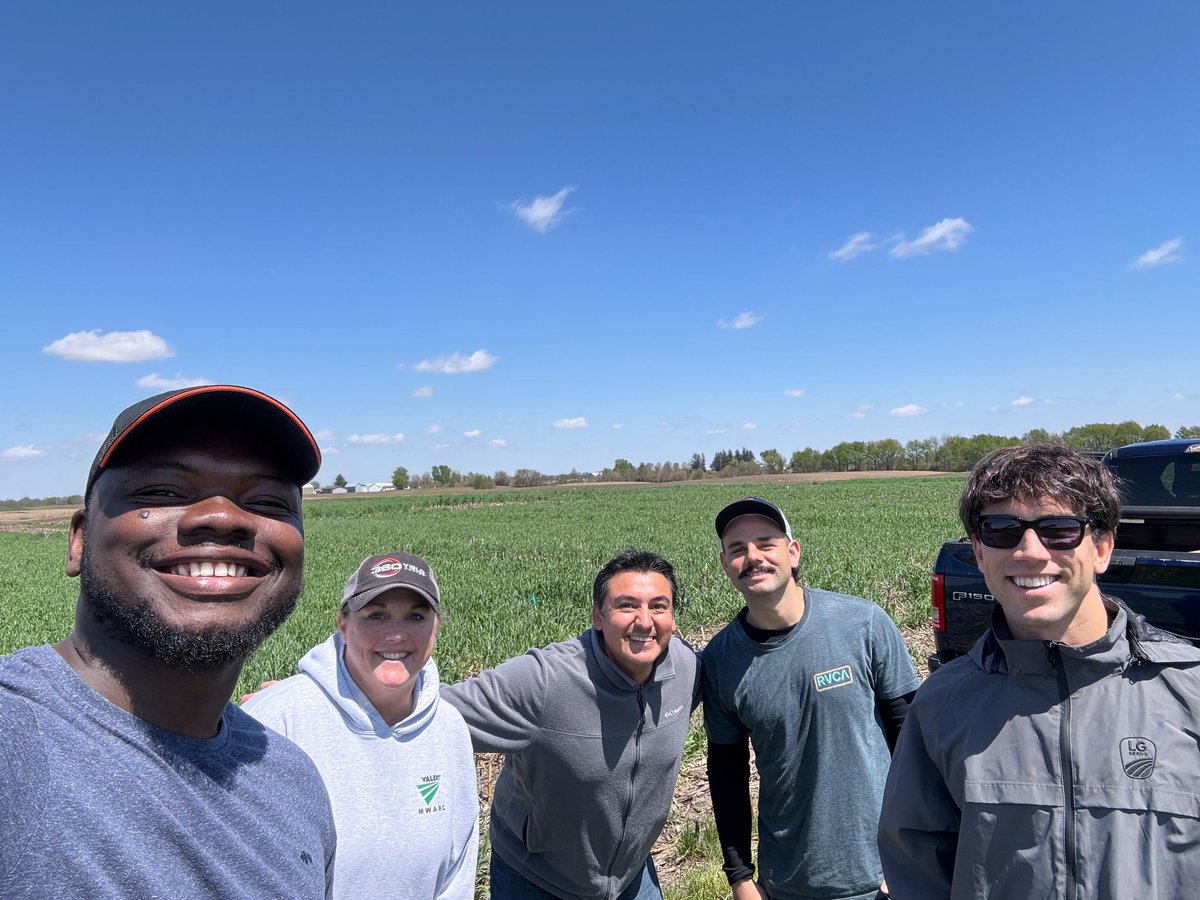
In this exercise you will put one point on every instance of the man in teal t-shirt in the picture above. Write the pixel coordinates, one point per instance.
(819, 683)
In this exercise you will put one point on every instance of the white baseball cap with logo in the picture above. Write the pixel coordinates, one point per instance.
(378, 574)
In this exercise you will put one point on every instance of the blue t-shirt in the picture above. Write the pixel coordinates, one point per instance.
(96, 802)
(808, 705)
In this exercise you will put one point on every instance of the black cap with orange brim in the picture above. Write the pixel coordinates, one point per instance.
(244, 410)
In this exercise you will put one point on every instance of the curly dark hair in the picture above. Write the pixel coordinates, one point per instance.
(1034, 472)
(633, 560)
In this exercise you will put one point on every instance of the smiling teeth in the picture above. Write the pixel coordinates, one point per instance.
(394, 657)
(206, 569)
(1039, 581)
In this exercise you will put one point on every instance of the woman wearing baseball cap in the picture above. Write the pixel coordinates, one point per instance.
(396, 761)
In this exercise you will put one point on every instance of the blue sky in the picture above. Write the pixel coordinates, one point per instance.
(548, 235)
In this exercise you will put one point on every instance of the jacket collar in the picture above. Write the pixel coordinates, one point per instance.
(1129, 637)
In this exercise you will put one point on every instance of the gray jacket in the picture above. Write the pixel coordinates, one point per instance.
(590, 759)
(1037, 770)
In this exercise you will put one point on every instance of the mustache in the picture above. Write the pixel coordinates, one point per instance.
(755, 569)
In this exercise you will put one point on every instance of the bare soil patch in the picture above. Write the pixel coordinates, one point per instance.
(39, 520)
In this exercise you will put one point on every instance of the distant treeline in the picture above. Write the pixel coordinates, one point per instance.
(27, 502)
(952, 453)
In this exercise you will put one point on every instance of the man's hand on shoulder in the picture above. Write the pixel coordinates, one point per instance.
(748, 889)
(261, 687)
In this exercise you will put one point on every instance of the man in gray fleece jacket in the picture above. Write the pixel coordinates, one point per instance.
(592, 730)
(1059, 758)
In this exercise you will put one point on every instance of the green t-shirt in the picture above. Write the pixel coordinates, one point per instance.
(808, 705)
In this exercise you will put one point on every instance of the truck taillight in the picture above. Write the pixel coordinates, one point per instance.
(937, 595)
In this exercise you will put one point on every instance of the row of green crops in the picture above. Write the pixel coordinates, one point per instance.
(516, 567)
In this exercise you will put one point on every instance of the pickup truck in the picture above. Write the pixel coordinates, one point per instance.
(1155, 568)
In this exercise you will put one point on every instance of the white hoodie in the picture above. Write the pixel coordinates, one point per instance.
(404, 797)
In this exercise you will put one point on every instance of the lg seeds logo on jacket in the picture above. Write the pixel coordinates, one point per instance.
(839, 677)
(1137, 757)
(428, 789)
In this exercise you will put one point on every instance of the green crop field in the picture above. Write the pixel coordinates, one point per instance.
(516, 567)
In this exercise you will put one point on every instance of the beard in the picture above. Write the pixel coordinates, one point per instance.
(136, 622)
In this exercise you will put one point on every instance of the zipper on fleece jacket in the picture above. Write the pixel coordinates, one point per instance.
(1068, 770)
(637, 756)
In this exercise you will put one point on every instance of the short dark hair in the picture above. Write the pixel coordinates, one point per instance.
(633, 560)
(1033, 472)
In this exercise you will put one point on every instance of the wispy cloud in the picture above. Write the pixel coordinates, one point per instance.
(1022, 401)
(715, 430)
(114, 347)
(474, 432)
(948, 234)
(497, 442)
(325, 434)
(154, 381)
(794, 392)
(862, 242)
(749, 426)
(1161, 255)
(434, 429)
(617, 426)
(744, 320)
(422, 392)
(456, 363)
(375, 438)
(543, 213)
(860, 412)
(23, 451)
(330, 451)
(577, 422)
(910, 410)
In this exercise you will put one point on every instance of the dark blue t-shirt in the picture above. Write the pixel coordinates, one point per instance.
(96, 802)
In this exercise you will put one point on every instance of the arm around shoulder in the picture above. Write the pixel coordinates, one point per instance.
(502, 707)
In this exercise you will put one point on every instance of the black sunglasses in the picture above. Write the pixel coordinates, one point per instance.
(1055, 532)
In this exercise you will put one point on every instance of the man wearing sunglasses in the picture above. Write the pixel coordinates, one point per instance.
(1060, 757)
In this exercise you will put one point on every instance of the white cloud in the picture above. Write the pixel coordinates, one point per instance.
(154, 380)
(749, 426)
(860, 412)
(1022, 401)
(1160, 256)
(544, 212)
(948, 234)
(330, 451)
(858, 243)
(375, 438)
(325, 434)
(442, 446)
(617, 426)
(114, 347)
(422, 392)
(910, 410)
(794, 392)
(497, 442)
(715, 430)
(434, 429)
(23, 451)
(474, 432)
(456, 363)
(577, 422)
(744, 320)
